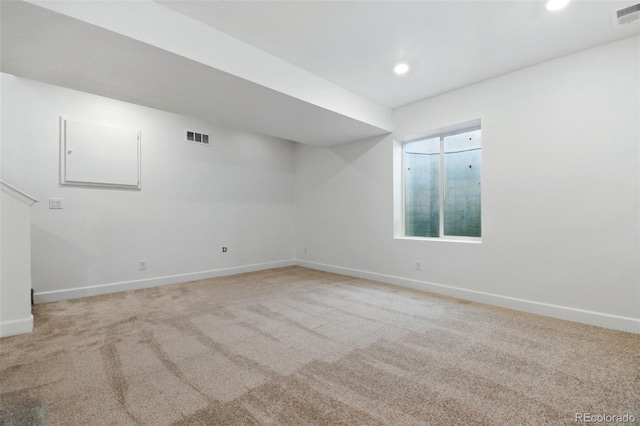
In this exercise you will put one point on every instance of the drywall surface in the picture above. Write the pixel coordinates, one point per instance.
(236, 193)
(15, 276)
(560, 194)
(184, 36)
(174, 63)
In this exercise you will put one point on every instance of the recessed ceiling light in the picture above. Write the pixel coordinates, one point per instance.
(556, 4)
(401, 68)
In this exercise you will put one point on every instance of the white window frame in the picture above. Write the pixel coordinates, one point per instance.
(399, 170)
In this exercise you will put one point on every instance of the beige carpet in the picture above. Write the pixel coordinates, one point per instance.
(293, 346)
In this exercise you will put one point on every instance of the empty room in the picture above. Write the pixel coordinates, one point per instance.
(319, 212)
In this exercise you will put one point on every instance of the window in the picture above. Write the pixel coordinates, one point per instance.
(441, 190)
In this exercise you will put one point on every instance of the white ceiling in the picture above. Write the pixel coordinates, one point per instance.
(450, 44)
(313, 72)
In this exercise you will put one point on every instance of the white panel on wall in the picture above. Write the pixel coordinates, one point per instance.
(99, 154)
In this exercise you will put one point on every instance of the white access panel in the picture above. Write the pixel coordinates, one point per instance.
(99, 154)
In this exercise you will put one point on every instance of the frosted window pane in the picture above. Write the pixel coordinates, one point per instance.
(422, 194)
(462, 171)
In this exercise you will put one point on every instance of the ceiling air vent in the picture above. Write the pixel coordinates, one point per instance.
(626, 15)
(197, 137)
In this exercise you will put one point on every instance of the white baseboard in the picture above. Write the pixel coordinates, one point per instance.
(95, 290)
(599, 319)
(628, 324)
(14, 327)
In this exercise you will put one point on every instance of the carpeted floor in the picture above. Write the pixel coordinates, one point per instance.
(293, 346)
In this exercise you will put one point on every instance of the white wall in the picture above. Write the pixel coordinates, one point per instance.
(194, 199)
(15, 274)
(560, 191)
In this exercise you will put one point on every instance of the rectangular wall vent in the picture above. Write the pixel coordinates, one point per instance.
(197, 137)
(626, 15)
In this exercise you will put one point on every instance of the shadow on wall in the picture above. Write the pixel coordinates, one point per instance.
(354, 150)
(321, 171)
(57, 264)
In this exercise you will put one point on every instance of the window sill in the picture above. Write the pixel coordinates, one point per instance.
(467, 240)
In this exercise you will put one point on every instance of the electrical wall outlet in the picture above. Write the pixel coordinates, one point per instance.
(143, 265)
(55, 203)
(418, 266)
